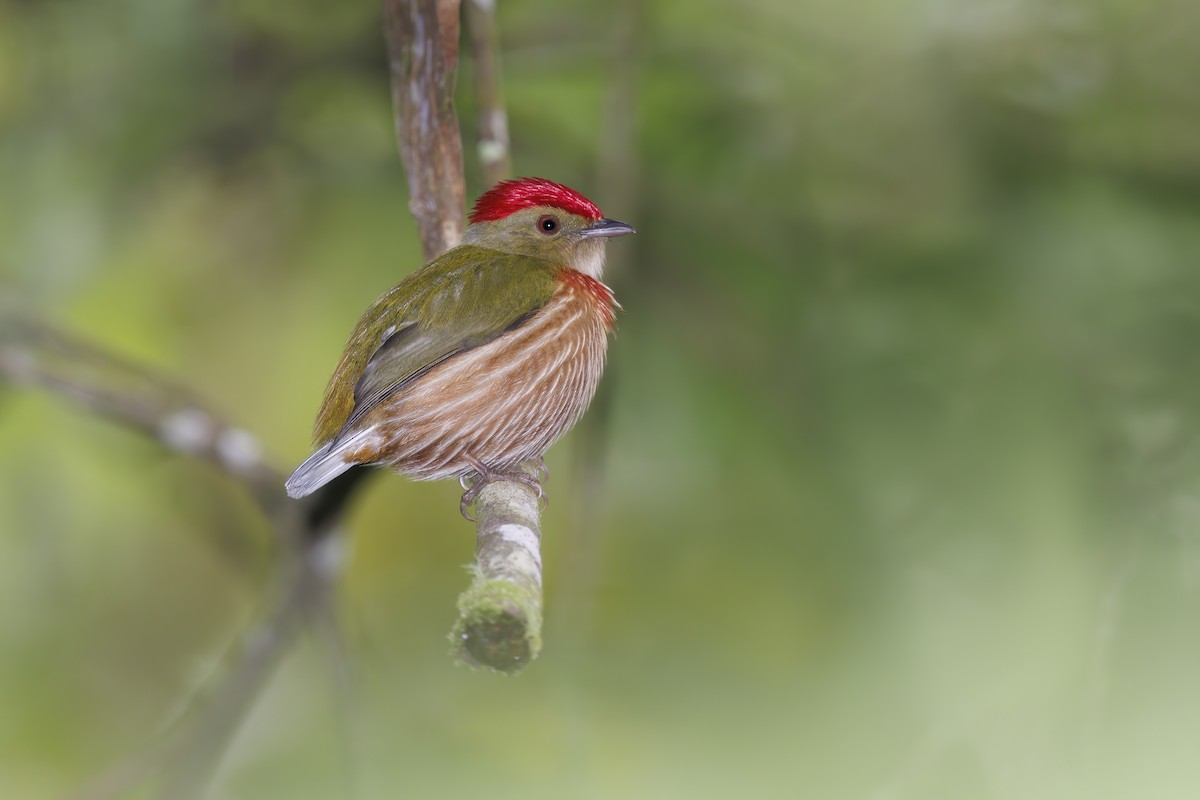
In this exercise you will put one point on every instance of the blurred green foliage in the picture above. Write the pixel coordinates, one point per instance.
(902, 479)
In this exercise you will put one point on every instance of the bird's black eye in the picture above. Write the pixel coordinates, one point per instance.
(547, 224)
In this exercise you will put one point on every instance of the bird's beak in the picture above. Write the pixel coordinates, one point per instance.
(605, 228)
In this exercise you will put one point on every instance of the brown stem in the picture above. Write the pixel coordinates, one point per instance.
(422, 45)
(618, 172)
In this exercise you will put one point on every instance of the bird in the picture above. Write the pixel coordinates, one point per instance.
(475, 364)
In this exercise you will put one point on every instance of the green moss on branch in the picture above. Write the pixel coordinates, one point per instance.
(500, 616)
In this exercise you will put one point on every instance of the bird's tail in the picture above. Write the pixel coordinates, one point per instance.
(322, 466)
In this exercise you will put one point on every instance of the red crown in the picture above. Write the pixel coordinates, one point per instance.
(509, 197)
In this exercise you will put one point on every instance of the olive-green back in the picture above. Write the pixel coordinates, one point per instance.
(462, 299)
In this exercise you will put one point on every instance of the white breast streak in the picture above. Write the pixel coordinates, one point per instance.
(550, 323)
(474, 395)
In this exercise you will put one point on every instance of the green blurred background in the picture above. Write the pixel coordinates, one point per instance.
(900, 470)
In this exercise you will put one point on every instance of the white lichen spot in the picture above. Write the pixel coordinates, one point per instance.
(188, 431)
(521, 536)
(239, 450)
(491, 150)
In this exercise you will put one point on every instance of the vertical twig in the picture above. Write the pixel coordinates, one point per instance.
(422, 45)
(618, 165)
(489, 96)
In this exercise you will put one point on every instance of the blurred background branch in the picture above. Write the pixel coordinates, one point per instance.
(34, 354)
(183, 762)
(490, 113)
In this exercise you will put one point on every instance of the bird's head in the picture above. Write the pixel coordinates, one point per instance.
(540, 218)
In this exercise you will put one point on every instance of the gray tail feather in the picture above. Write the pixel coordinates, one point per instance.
(317, 470)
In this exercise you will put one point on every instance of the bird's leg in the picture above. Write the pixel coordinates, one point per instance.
(485, 476)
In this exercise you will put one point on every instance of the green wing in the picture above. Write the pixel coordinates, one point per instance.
(460, 300)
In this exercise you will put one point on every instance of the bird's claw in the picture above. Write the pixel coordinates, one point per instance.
(469, 497)
(483, 476)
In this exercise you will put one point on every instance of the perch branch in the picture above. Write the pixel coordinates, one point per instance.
(489, 96)
(500, 616)
(422, 43)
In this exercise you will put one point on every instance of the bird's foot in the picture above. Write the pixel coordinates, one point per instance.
(472, 486)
